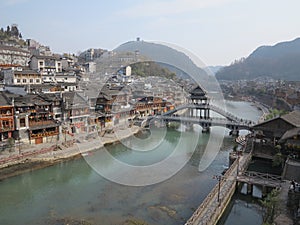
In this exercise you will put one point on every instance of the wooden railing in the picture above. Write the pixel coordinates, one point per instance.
(264, 179)
(45, 134)
(41, 123)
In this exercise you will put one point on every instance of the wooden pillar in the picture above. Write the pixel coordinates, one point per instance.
(249, 189)
(264, 191)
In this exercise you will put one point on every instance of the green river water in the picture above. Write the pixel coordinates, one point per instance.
(72, 192)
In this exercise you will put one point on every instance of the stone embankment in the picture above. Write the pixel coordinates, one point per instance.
(39, 156)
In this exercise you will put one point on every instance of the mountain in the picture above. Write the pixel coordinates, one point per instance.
(281, 61)
(176, 61)
(163, 54)
(213, 69)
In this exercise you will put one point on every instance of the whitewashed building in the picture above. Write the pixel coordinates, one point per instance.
(46, 64)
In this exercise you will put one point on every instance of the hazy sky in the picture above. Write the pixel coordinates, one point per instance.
(217, 31)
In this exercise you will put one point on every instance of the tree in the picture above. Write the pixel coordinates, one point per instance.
(8, 30)
(2, 30)
(14, 31)
(277, 160)
(274, 113)
(20, 35)
(269, 204)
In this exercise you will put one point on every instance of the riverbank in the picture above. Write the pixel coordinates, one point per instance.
(48, 154)
(259, 105)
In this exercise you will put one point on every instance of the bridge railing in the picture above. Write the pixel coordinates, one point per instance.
(215, 108)
(263, 176)
(230, 115)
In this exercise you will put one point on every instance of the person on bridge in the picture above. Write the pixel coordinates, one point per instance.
(293, 184)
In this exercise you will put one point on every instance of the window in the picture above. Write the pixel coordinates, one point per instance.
(37, 80)
(41, 63)
(18, 80)
(24, 80)
(30, 80)
(22, 122)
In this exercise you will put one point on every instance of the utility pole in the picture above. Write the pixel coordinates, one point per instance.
(219, 178)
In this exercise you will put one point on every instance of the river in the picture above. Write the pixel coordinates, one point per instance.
(72, 192)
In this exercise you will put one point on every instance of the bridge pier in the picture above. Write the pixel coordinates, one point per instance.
(234, 132)
(188, 126)
(205, 129)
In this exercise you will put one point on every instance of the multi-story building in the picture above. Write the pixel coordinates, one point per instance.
(68, 61)
(12, 56)
(76, 111)
(21, 76)
(66, 81)
(46, 64)
(34, 119)
(6, 117)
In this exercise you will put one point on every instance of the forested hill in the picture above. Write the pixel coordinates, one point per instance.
(281, 61)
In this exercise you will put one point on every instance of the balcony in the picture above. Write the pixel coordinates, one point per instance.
(42, 124)
(44, 134)
(5, 129)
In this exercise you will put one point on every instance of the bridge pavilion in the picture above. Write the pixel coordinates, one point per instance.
(198, 97)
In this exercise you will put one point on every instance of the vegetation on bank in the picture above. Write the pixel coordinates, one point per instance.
(144, 69)
(269, 205)
(275, 113)
(11, 35)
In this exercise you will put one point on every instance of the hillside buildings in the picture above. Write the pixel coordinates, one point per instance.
(46, 96)
(13, 56)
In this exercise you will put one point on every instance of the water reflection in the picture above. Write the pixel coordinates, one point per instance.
(242, 210)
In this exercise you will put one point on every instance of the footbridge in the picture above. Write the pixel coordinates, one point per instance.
(262, 179)
(189, 114)
(213, 206)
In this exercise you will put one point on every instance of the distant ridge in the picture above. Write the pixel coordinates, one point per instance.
(162, 54)
(281, 61)
(174, 60)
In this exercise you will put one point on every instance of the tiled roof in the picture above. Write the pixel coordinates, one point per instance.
(291, 133)
(45, 57)
(292, 118)
(4, 101)
(26, 72)
(30, 100)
